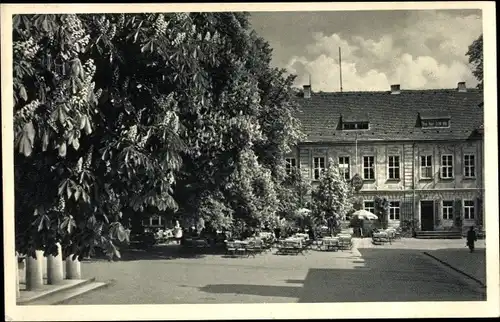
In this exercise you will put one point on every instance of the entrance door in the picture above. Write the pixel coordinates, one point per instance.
(427, 215)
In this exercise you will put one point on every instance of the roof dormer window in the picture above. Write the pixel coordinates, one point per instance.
(355, 126)
(434, 120)
(435, 123)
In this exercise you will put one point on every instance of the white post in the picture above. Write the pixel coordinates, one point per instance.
(44, 267)
(18, 293)
(55, 267)
(34, 271)
(73, 270)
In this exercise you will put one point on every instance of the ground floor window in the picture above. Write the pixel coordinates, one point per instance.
(469, 209)
(394, 210)
(369, 205)
(154, 221)
(447, 209)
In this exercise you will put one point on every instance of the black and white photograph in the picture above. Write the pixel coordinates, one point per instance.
(306, 160)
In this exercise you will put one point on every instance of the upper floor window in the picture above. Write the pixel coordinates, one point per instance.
(447, 166)
(394, 167)
(468, 209)
(369, 205)
(355, 125)
(290, 164)
(469, 166)
(426, 166)
(394, 210)
(318, 167)
(345, 167)
(447, 209)
(369, 167)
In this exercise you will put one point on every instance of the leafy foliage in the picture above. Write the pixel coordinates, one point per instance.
(130, 113)
(252, 191)
(293, 194)
(333, 195)
(475, 53)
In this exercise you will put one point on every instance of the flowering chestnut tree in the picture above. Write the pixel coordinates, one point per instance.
(122, 114)
(333, 195)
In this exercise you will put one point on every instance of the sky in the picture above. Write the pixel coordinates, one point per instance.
(419, 49)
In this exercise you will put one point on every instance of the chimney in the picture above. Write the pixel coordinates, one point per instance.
(395, 89)
(461, 87)
(307, 91)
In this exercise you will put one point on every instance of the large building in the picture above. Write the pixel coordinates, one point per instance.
(420, 149)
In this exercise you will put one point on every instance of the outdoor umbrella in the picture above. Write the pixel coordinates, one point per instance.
(365, 214)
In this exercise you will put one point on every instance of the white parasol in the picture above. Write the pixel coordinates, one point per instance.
(365, 214)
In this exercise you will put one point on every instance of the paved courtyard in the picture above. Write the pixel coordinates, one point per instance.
(397, 272)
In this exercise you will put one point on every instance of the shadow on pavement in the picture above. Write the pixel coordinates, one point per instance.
(166, 252)
(386, 276)
(249, 289)
(472, 264)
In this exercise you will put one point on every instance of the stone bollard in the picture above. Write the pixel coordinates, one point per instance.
(73, 270)
(34, 271)
(55, 273)
(18, 292)
(44, 267)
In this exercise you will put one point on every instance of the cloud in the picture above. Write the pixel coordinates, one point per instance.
(428, 51)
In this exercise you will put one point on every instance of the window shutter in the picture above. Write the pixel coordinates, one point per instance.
(458, 164)
(436, 213)
(457, 210)
(479, 211)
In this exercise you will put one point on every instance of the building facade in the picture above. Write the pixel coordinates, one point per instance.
(421, 150)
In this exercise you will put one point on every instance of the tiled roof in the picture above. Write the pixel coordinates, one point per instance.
(392, 117)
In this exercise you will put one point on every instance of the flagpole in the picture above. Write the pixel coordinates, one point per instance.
(340, 68)
(356, 143)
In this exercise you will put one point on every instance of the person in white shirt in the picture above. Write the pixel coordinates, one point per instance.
(177, 232)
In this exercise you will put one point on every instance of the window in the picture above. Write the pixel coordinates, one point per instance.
(394, 210)
(447, 166)
(469, 166)
(435, 123)
(355, 126)
(468, 209)
(345, 168)
(369, 206)
(155, 221)
(426, 166)
(369, 168)
(290, 163)
(447, 209)
(394, 167)
(318, 166)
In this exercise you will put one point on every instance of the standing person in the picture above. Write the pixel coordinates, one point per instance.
(331, 225)
(471, 238)
(361, 226)
(310, 232)
(277, 232)
(177, 232)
